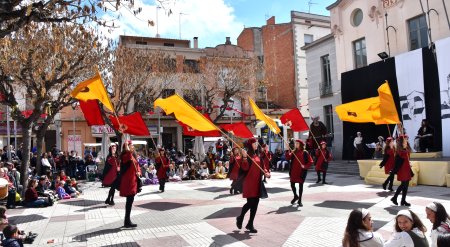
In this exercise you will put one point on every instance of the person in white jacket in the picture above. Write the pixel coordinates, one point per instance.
(438, 216)
(409, 231)
(359, 230)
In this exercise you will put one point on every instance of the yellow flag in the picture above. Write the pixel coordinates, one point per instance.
(92, 89)
(263, 117)
(388, 111)
(185, 113)
(360, 111)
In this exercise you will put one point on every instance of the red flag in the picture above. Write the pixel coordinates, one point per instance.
(188, 131)
(91, 112)
(238, 129)
(295, 120)
(132, 124)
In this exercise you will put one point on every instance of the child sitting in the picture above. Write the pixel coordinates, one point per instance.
(172, 173)
(70, 190)
(203, 171)
(74, 184)
(150, 175)
(61, 192)
(14, 238)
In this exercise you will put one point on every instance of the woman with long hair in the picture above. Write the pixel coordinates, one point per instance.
(130, 173)
(110, 172)
(402, 169)
(301, 161)
(409, 231)
(253, 187)
(359, 230)
(233, 173)
(323, 157)
(438, 216)
(162, 165)
(388, 163)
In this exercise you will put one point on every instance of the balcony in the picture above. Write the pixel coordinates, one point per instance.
(326, 89)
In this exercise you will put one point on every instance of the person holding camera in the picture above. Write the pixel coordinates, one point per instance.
(130, 178)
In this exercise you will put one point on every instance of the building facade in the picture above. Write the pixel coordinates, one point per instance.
(363, 29)
(324, 88)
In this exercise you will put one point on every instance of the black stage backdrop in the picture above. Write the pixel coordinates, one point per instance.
(363, 83)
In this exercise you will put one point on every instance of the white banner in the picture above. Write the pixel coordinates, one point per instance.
(409, 72)
(74, 143)
(443, 61)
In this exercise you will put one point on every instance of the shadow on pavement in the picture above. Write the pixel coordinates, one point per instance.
(275, 190)
(224, 213)
(162, 206)
(213, 189)
(223, 196)
(20, 219)
(86, 209)
(285, 209)
(85, 236)
(230, 238)
(80, 202)
(131, 244)
(377, 224)
(393, 210)
(344, 205)
(149, 193)
(385, 193)
(315, 185)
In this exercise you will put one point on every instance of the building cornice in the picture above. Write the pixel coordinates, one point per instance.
(334, 4)
(319, 41)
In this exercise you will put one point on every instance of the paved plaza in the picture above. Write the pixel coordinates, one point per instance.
(202, 213)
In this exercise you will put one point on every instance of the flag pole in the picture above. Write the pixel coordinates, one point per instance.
(292, 151)
(389, 130)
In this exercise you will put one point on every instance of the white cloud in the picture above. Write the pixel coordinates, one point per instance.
(210, 20)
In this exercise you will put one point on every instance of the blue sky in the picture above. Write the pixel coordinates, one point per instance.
(210, 20)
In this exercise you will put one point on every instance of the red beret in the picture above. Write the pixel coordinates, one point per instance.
(130, 142)
(323, 142)
(264, 145)
(161, 149)
(389, 139)
(250, 142)
(300, 141)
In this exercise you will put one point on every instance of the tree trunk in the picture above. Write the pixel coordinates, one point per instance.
(39, 141)
(26, 148)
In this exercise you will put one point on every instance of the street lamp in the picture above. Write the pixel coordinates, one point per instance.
(8, 127)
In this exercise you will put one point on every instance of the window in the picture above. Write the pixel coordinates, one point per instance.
(356, 17)
(328, 113)
(169, 44)
(325, 87)
(418, 32)
(359, 51)
(141, 43)
(308, 38)
(191, 66)
(167, 93)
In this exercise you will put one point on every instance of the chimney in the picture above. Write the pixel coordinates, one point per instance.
(195, 42)
(271, 21)
(227, 41)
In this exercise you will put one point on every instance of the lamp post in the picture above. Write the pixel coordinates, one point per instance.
(159, 129)
(230, 104)
(8, 127)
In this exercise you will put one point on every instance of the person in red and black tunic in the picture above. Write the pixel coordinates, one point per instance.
(388, 163)
(323, 157)
(266, 157)
(402, 169)
(298, 169)
(234, 173)
(130, 173)
(253, 187)
(162, 164)
(112, 168)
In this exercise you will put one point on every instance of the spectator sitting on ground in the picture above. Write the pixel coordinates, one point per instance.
(43, 190)
(282, 162)
(192, 173)
(12, 239)
(32, 199)
(62, 175)
(70, 190)
(55, 183)
(183, 171)
(172, 173)
(74, 184)
(61, 192)
(150, 175)
(203, 171)
(409, 231)
(220, 171)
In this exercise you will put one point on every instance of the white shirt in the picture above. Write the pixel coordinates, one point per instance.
(402, 239)
(358, 140)
(44, 162)
(436, 232)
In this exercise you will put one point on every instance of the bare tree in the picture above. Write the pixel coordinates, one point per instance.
(45, 61)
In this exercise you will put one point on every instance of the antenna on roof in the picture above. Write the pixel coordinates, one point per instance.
(310, 2)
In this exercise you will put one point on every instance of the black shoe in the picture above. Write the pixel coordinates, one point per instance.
(318, 181)
(129, 225)
(28, 240)
(111, 203)
(295, 199)
(231, 191)
(236, 192)
(107, 202)
(404, 203)
(251, 229)
(300, 204)
(324, 182)
(239, 222)
(384, 186)
(394, 200)
(390, 189)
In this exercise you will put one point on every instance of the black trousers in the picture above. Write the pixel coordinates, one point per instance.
(162, 184)
(402, 188)
(300, 190)
(252, 205)
(128, 205)
(111, 193)
(389, 180)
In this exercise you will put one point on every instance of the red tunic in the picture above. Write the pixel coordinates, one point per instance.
(162, 167)
(390, 162)
(320, 160)
(252, 181)
(128, 182)
(266, 157)
(298, 169)
(404, 173)
(235, 171)
(109, 178)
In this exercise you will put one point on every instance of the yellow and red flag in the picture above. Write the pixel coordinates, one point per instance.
(263, 117)
(92, 89)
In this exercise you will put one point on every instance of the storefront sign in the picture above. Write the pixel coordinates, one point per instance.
(389, 3)
(74, 143)
(98, 129)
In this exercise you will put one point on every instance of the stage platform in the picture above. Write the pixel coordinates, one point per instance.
(428, 171)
